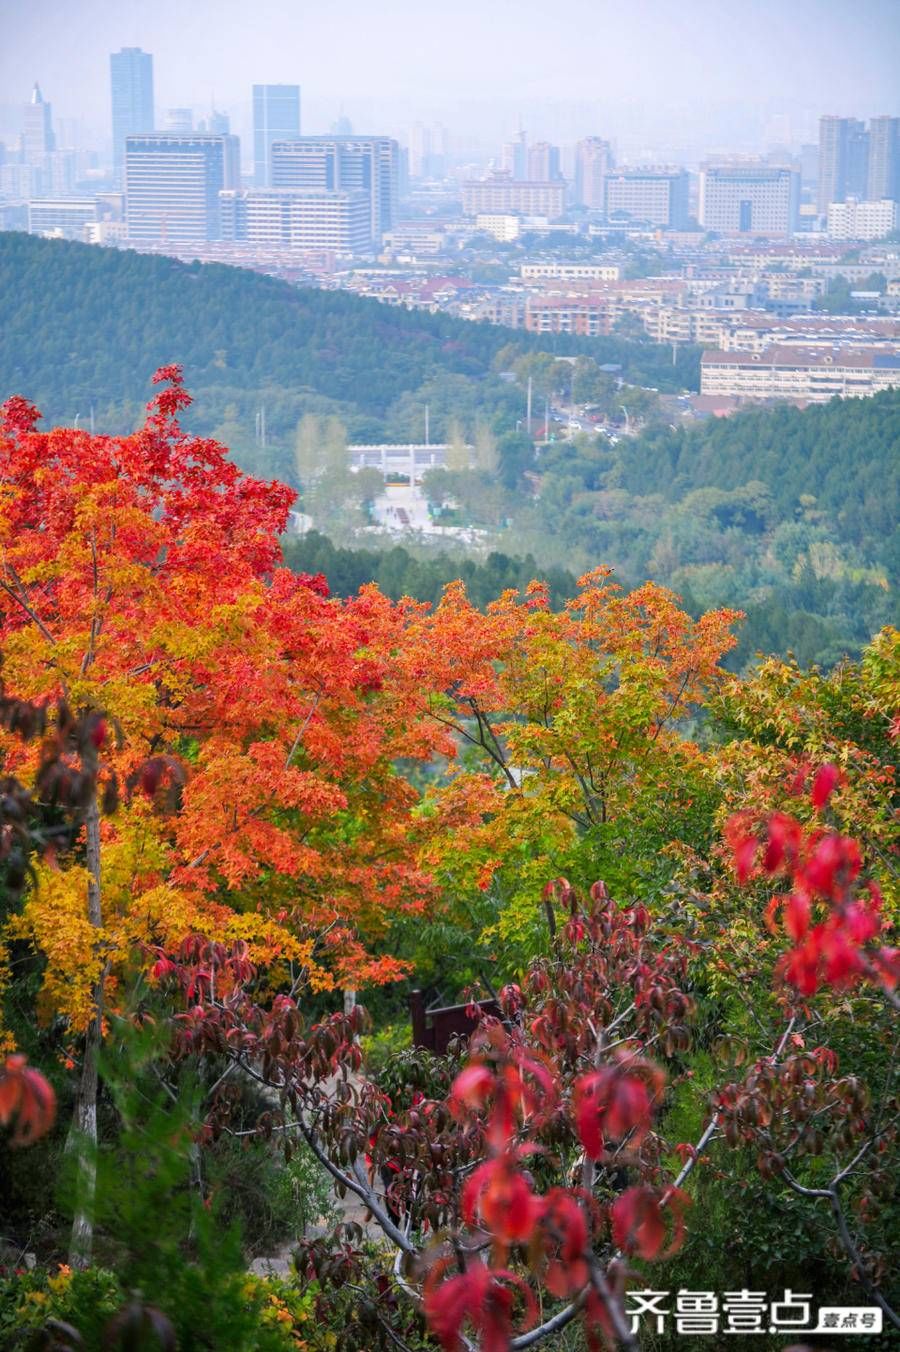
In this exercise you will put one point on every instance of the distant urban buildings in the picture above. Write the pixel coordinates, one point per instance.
(37, 128)
(276, 117)
(172, 185)
(131, 84)
(354, 164)
(428, 151)
(654, 196)
(884, 159)
(843, 160)
(298, 218)
(543, 162)
(807, 375)
(514, 157)
(862, 220)
(502, 195)
(749, 198)
(179, 119)
(593, 162)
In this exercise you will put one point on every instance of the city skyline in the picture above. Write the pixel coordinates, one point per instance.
(775, 72)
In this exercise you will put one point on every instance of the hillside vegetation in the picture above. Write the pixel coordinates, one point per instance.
(84, 326)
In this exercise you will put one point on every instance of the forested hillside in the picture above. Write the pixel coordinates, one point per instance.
(84, 327)
(789, 515)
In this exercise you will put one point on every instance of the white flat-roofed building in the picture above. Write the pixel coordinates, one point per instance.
(761, 199)
(808, 375)
(502, 195)
(862, 220)
(297, 218)
(589, 272)
(504, 228)
(66, 216)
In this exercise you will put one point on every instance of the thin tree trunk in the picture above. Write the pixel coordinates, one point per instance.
(83, 1131)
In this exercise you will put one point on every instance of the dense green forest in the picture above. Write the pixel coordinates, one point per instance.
(788, 515)
(85, 328)
(400, 573)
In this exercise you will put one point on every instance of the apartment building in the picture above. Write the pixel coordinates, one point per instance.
(802, 374)
(172, 184)
(862, 220)
(505, 196)
(297, 218)
(593, 162)
(654, 196)
(368, 164)
(759, 199)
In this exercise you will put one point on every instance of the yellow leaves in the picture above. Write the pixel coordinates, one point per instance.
(55, 922)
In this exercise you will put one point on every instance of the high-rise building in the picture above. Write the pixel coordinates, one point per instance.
(750, 198)
(843, 160)
(543, 162)
(37, 128)
(298, 218)
(428, 151)
(368, 164)
(654, 196)
(172, 184)
(276, 117)
(514, 159)
(884, 159)
(131, 81)
(593, 161)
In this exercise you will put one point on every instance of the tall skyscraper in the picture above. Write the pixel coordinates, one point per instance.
(172, 185)
(593, 161)
(884, 159)
(368, 164)
(543, 162)
(514, 160)
(276, 117)
(428, 151)
(37, 128)
(131, 80)
(751, 198)
(843, 160)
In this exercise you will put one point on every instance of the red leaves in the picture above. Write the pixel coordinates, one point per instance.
(498, 1194)
(26, 1096)
(824, 869)
(615, 1101)
(483, 1296)
(565, 1235)
(473, 1085)
(639, 1221)
(517, 1087)
(824, 784)
(18, 416)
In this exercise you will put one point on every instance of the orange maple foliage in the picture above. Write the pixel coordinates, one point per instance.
(574, 713)
(140, 576)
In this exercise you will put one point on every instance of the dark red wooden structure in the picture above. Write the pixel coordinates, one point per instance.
(434, 1028)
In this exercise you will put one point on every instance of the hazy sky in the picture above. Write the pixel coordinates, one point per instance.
(650, 68)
